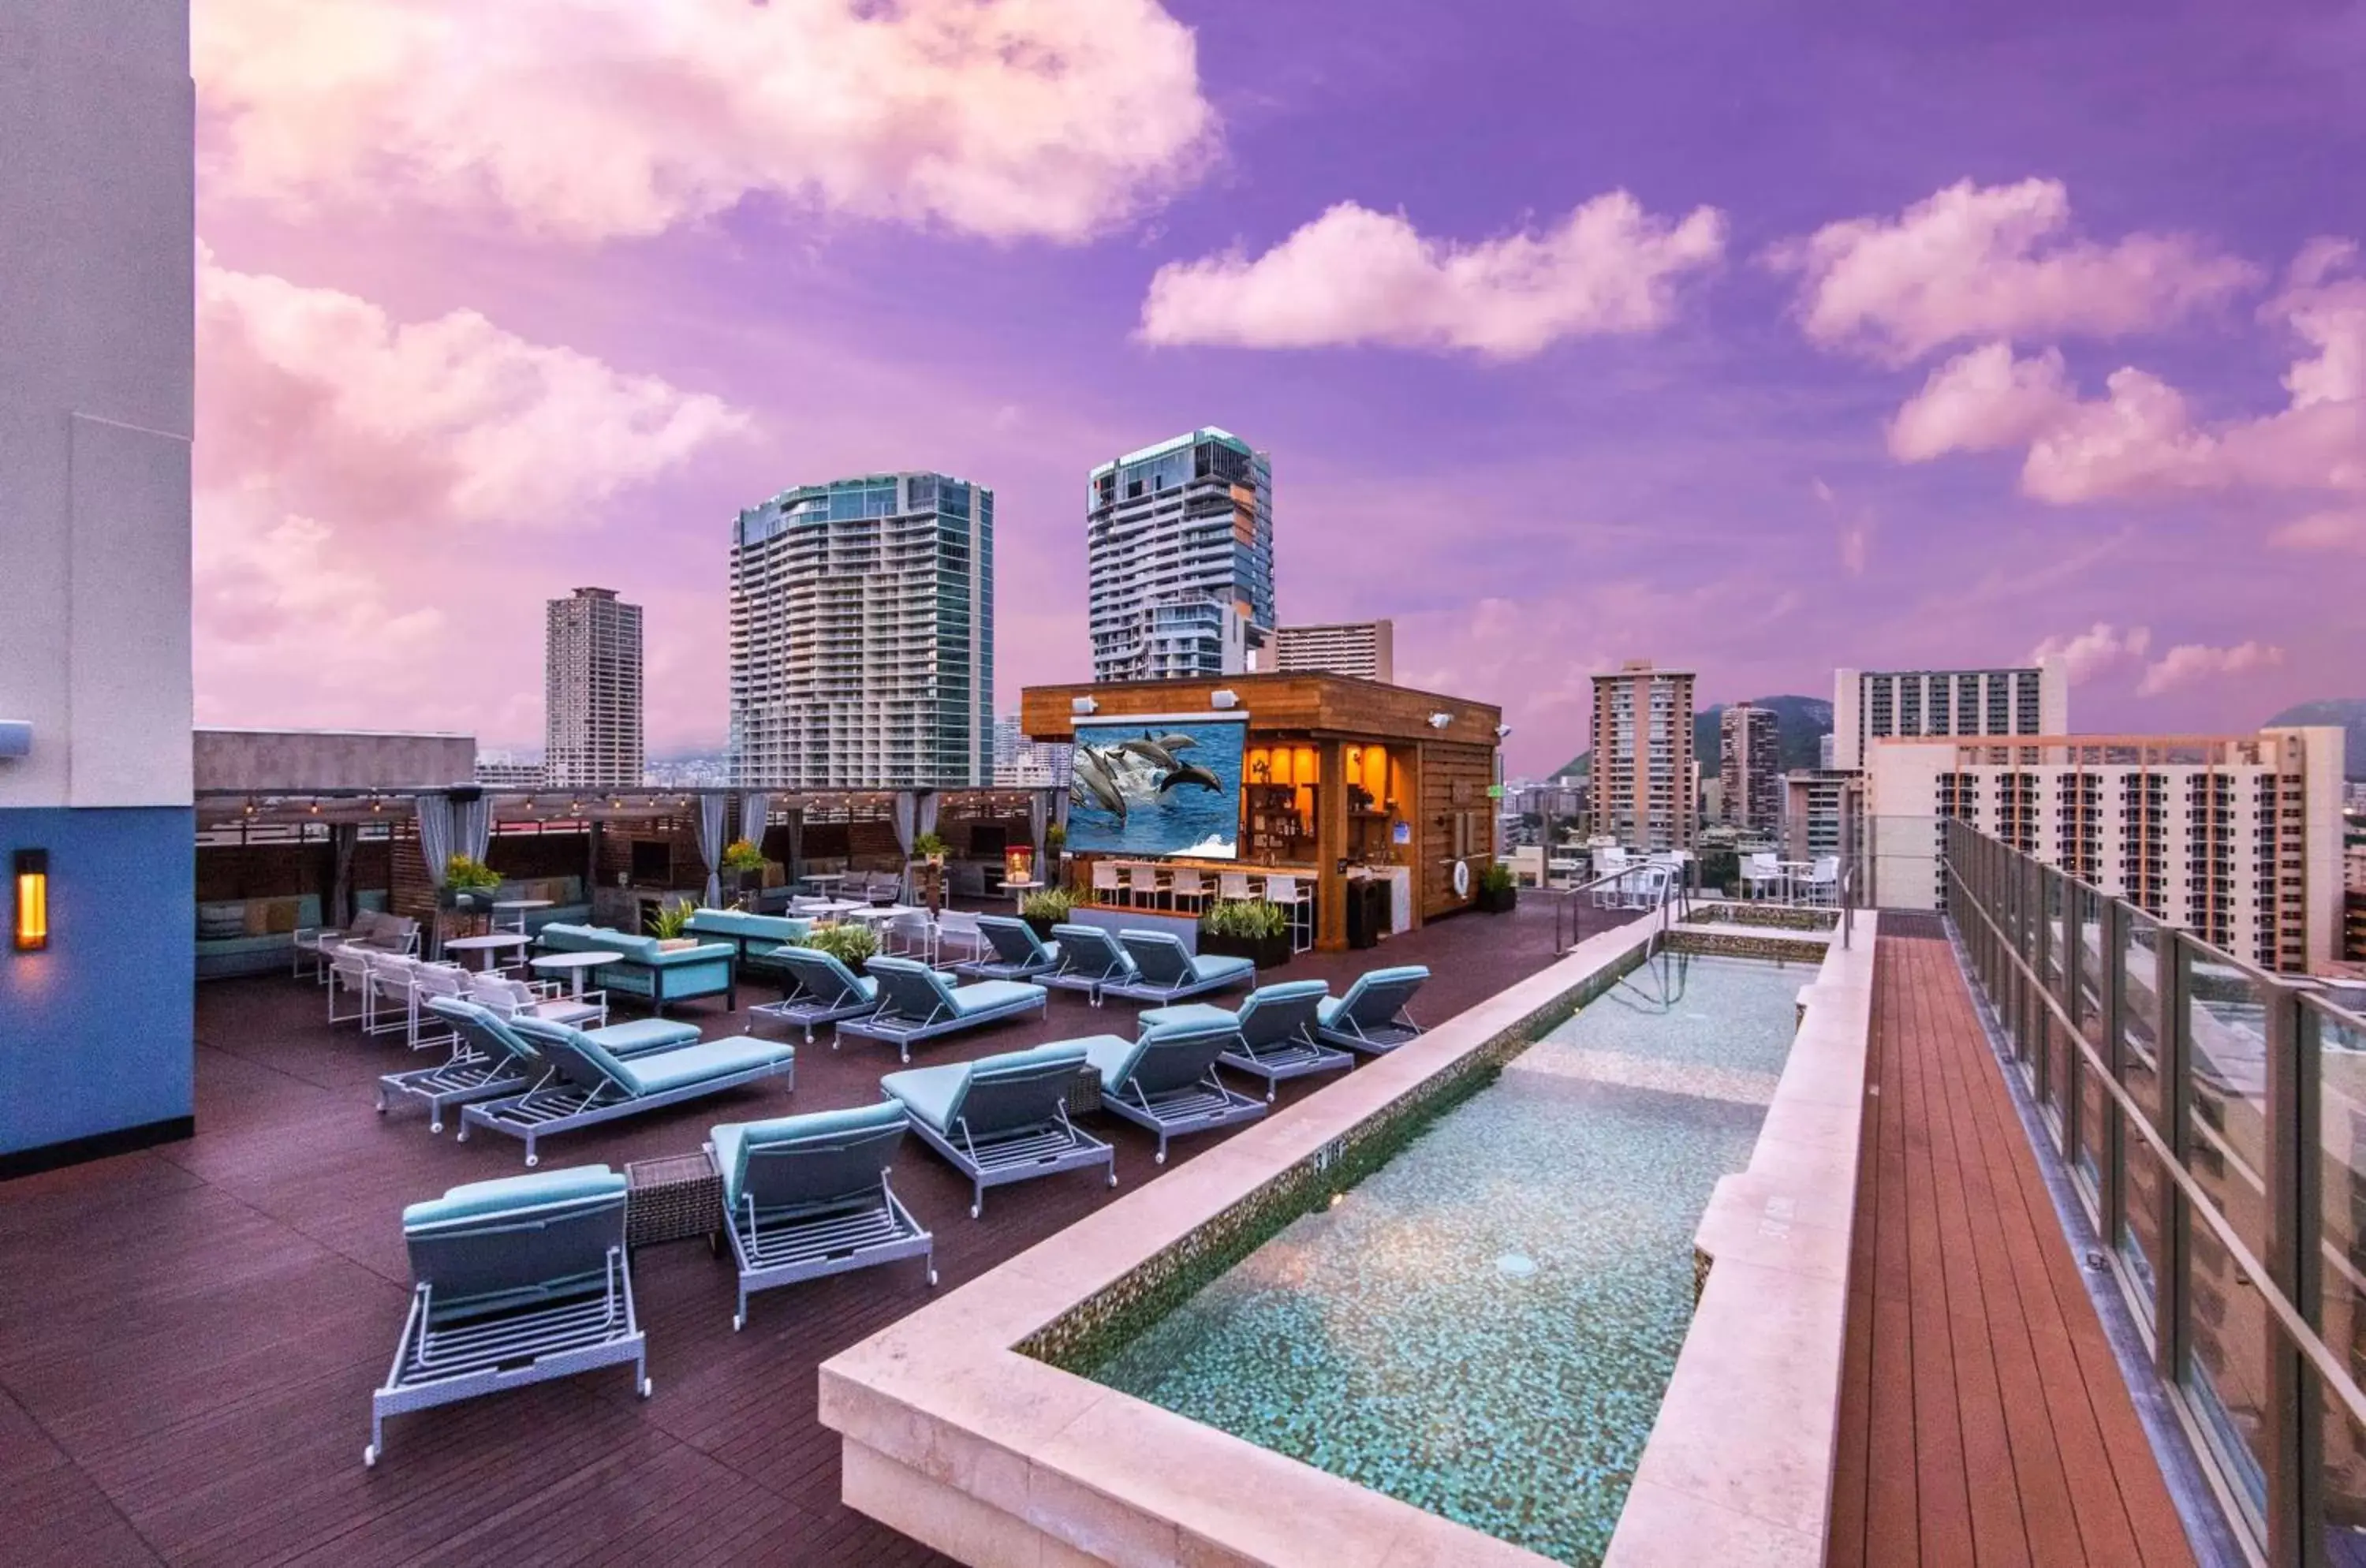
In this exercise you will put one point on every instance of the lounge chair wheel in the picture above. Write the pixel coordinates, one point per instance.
(533, 1160)
(1112, 1176)
(648, 1388)
(932, 1276)
(1158, 1158)
(381, 1107)
(976, 1209)
(738, 1321)
(369, 1457)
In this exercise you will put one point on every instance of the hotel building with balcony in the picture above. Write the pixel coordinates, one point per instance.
(863, 636)
(1180, 558)
(1645, 780)
(592, 692)
(1366, 650)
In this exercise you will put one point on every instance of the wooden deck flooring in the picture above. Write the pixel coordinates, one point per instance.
(189, 1336)
(1983, 1418)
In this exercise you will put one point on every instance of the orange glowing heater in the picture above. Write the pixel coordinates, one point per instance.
(32, 900)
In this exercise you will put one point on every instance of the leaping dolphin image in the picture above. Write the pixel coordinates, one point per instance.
(1186, 772)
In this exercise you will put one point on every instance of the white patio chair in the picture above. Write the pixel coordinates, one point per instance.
(1285, 891)
(1234, 886)
(386, 1002)
(434, 980)
(960, 926)
(1821, 887)
(1108, 886)
(1761, 876)
(1185, 885)
(916, 930)
(349, 978)
(512, 997)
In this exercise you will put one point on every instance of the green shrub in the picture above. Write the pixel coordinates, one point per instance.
(928, 846)
(669, 920)
(1056, 838)
(1252, 918)
(1052, 904)
(464, 875)
(742, 856)
(1495, 877)
(850, 944)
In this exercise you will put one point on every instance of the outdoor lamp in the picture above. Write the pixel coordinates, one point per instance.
(1441, 720)
(32, 900)
(1223, 699)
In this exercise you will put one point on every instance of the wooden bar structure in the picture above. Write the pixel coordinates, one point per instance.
(1415, 758)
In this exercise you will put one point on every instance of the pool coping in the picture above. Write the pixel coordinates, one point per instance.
(1740, 1464)
(953, 1436)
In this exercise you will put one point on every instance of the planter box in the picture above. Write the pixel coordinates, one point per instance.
(1040, 927)
(1267, 951)
(1499, 903)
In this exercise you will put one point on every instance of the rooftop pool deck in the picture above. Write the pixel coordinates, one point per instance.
(189, 1336)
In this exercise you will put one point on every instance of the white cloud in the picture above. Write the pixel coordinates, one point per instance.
(359, 482)
(2091, 652)
(596, 118)
(1972, 261)
(1354, 275)
(2188, 662)
(2141, 437)
(2324, 531)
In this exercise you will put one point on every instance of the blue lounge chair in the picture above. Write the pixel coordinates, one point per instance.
(514, 1281)
(1166, 1080)
(917, 1003)
(1273, 1031)
(1002, 1118)
(588, 1083)
(1091, 962)
(1166, 971)
(807, 1196)
(1371, 1016)
(822, 990)
(1018, 953)
(489, 1058)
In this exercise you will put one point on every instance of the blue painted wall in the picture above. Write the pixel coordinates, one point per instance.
(98, 1034)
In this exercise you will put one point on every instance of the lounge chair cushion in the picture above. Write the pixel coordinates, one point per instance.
(733, 1139)
(643, 1034)
(987, 996)
(1189, 1015)
(931, 1094)
(510, 1193)
(697, 1064)
(1091, 948)
(1210, 967)
(1326, 1012)
(1113, 1057)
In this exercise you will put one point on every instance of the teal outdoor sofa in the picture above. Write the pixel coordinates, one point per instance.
(649, 972)
(756, 937)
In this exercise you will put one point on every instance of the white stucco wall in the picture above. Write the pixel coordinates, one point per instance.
(96, 393)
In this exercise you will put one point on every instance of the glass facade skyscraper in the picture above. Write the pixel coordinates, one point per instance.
(863, 636)
(1179, 550)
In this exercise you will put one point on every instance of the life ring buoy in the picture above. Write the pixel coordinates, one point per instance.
(1462, 879)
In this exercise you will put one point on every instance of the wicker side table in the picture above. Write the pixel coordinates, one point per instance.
(676, 1198)
(1084, 1094)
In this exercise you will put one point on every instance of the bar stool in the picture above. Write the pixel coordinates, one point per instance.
(1185, 882)
(1284, 891)
(1142, 882)
(1234, 886)
(1106, 888)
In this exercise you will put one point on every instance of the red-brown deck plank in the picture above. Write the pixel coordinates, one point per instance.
(1980, 1390)
(188, 1337)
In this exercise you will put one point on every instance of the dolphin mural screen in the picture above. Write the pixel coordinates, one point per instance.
(1157, 787)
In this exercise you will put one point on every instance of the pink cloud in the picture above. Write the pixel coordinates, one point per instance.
(2141, 436)
(2190, 662)
(2091, 652)
(1354, 275)
(372, 493)
(594, 118)
(2324, 531)
(1973, 261)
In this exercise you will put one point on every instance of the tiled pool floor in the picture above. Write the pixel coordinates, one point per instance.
(1485, 1325)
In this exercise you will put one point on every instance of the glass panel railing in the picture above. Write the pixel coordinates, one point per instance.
(2225, 1373)
(2087, 961)
(2341, 1038)
(2142, 1187)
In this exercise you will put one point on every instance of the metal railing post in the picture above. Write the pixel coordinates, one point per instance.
(2172, 1044)
(2294, 1435)
(2112, 996)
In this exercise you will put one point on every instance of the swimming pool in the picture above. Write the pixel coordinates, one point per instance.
(1485, 1326)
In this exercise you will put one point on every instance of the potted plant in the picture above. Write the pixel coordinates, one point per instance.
(1055, 841)
(1498, 893)
(850, 944)
(468, 884)
(931, 848)
(669, 921)
(1046, 909)
(1247, 928)
(743, 863)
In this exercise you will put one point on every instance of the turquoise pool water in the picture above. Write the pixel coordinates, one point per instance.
(1485, 1325)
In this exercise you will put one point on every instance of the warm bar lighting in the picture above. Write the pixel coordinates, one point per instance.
(32, 900)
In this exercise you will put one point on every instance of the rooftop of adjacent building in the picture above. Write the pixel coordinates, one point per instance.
(1175, 444)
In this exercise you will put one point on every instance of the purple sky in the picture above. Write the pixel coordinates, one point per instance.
(497, 303)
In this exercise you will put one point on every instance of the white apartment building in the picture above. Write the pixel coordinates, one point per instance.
(499, 770)
(1873, 705)
(2237, 837)
(1749, 769)
(1364, 650)
(1022, 764)
(863, 636)
(592, 692)
(1645, 780)
(1179, 555)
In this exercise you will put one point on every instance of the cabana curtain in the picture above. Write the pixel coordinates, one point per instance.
(907, 806)
(710, 843)
(343, 839)
(928, 814)
(472, 827)
(1039, 808)
(435, 815)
